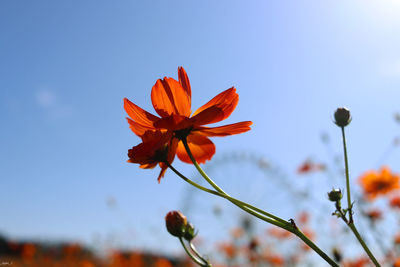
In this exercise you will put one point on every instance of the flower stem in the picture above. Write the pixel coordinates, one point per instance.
(196, 260)
(363, 244)
(346, 163)
(350, 222)
(228, 197)
(193, 183)
(281, 223)
(244, 206)
(193, 248)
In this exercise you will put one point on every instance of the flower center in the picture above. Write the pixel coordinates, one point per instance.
(183, 133)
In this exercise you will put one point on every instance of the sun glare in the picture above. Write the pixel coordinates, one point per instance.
(384, 11)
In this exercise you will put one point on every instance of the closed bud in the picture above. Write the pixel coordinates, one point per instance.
(176, 223)
(190, 232)
(342, 117)
(335, 195)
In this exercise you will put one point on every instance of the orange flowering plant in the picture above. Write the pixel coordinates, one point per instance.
(178, 131)
(172, 101)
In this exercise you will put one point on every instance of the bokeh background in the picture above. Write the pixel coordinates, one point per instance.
(67, 65)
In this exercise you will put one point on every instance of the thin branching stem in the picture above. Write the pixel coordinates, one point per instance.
(289, 227)
(195, 259)
(350, 222)
(228, 197)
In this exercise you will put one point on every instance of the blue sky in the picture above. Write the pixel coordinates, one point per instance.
(67, 65)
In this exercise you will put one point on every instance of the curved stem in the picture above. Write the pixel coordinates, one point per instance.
(281, 223)
(287, 226)
(228, 197)
(191, 182)
(193, 248)
(200, 170)
(196, 260)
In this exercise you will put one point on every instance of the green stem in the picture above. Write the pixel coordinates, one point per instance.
(193, 248)
(200, 170)
(350, 222)
(346, 163)
(281, 223)
(357, 234)
(314, 247)
(191, 182)
(244, 206)
(196, 260)
(228, 197)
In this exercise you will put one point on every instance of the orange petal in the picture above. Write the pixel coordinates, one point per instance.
(185, 83)
(142, 154)
(169, 97)
(137, 128)
(148, 165)
(170, 158)
(230, 129)
(218, 108)
(164, 168)
(201, 147)
(159, 138)
(173, 145)
(173, 122)
(138, 114)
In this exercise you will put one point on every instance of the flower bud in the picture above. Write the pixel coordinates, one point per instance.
(190, 232)
(176, 223)
(335, 195)
(342, 117)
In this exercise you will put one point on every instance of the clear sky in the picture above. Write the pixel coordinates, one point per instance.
(67, 65)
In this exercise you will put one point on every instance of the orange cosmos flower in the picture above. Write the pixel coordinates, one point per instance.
(375, 184)
(171, 100)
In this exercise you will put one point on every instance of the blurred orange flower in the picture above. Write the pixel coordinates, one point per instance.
(356, 263)
(279, 233)
(395, 202)
(275, 260)
(28, 251)
(303, 217)
(171, 99)
(309, 166)
(375, 184)
(163, 263)
(397, 239)
(237, 232)
(228, 249)
(374, 214)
